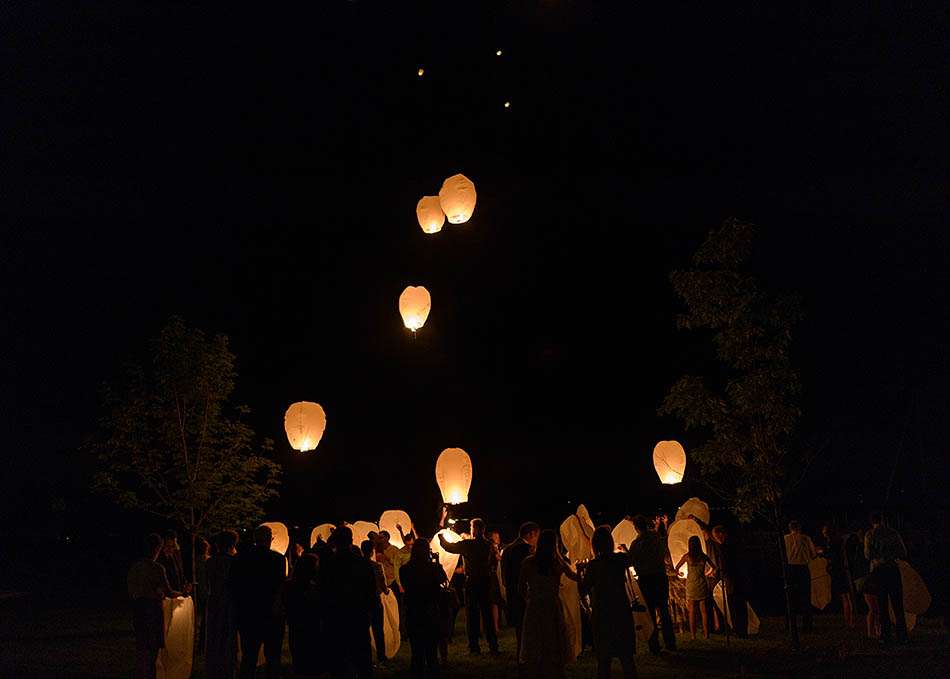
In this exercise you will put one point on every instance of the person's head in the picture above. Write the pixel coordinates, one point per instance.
(305, 569)
(529, 532)
(342, 538)
(152, 545)
(263, 536)
(695, 547)
(409, 540)
(876, 518)
(367, 548)
(478, 528)
(202, 548)
(545, 554)
(494, 536)
(602, 541)
(794, 527)
(170, 541)
(419, 552)
(720, 534)
(226, 542)
(372, 536)
(384, 538)
(641, 523)
(826, 531)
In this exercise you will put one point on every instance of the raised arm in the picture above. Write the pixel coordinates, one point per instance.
(451, 547)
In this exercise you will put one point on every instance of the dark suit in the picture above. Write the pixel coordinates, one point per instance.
(511, 560)
(349, 586)
(478, 556)
(256, 582)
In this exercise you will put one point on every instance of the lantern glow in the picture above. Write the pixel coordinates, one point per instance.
(447, 560)
(388, 521)
(453, 473)
(669, 460)
(677, 540)
(280, 536)
(361, 531)
(457, 197)
(304, 423)
(430, 215)
(414, 305)
(322, 531)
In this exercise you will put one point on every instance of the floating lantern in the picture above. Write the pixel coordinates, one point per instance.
(497, 53)
(324, 530)
(421, 72)
(414, 305)
(280, 541)
(388, 521)
(507, 104)
(429, 213)
(669, 459)
(447, 560)
(304, 423)
(457, 197)
(453, 473)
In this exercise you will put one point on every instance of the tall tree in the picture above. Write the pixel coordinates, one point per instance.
(175, 447)
(748, 408)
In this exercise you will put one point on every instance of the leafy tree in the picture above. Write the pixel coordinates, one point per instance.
(175, 447)
(748, 409)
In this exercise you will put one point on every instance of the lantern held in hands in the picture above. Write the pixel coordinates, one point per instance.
(669, 459)
(453, 473)
(430, 215)
(280, 536)
(388, 521)
(323, 531)
(304, 423)
(447, 560)
(414, 305)
(457, 198)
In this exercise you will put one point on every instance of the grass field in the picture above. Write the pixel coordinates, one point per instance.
(84, 642)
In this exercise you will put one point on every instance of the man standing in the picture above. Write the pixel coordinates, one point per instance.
(648, 556)
(148, 585)
(800, 550)
(376, 615)
(883, 546)
(511, 560)
(477, 552)
(256, 583)
(724, 556)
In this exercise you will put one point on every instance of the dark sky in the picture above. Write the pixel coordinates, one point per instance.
(256, 171)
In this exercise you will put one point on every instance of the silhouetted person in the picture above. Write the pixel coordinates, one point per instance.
(605, 579)
(648, 556)
(257, 579)
(511, 560)
(221, 619)
(800, 550)
(348, 585)
(170, 559)
(883, 546)
(305, 619)
(698, 591)
(422, 580)
(477, 552)
(148, 586)
(368, 549)
(202, 554)
(833, 548)
(723, 555)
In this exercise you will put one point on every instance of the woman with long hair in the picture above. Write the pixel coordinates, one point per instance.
(305, 618)
(697, 587)
(545, 649)
(422, 580)
(833, 548)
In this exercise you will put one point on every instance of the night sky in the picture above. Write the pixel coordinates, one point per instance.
(256, 171)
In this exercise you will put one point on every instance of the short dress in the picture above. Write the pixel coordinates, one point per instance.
(697, 587)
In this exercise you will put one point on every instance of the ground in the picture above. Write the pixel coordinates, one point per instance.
(43, 640)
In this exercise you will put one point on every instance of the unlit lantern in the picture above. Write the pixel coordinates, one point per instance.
(414, 305)
(453, 472)
(304, 423)
(429, 213)
(669, 459)
(457, 198)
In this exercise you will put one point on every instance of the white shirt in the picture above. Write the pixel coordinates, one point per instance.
(800, 549)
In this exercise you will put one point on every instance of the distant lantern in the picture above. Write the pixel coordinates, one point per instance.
(453, 473)
(414, 305)
(457, 197)
(421, 72)
(280, 536)
(304, 423)
(669, 459)
(497, 53)
(389, 520)
(507, 104)
(429, 213)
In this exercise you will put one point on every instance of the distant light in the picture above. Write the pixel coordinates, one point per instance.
(421, 72)
(507, 104)
(498, 53)
(451, 522)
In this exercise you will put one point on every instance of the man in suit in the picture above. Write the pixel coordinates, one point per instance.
(511, 560)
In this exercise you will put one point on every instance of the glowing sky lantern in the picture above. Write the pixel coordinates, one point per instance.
(323, 530)
(414, 305)
(304, 423)
(281, 537)
(453, 473)
(446, 560)
(457, 197)
(429, 213)
(388, 521)
(421, 72)
(669, 459)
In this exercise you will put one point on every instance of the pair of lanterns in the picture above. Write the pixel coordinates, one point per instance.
(455, 202)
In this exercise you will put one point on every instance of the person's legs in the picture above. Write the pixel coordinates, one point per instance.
(360, 653)
(739, 612)
(603, 665)
(891, 598)
(515, 618)
(874, 616)
(471, 617)
(431, 657)
(629, 665)
(273, 645)
(704, 614)
(417, 656)
(485, 606)
(251, 640)
(690, 605)
(379, 638)
(847, 609)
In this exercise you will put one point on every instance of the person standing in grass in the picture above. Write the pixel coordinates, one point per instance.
(220, 623)
(148, 586)
(423, 579)
(697, 586)
(511, 561)
(800, 550)
(883, 547)
(648, 555)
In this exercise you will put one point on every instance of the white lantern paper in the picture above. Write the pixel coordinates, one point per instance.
(453, 473)
(388, 521)
(820, 582)
(587, 524)
(457, 198)
(429, 213)
(361, 531)
(916, 596)
(447, 560)
(304, 423)
(414, 305)
(570, 599)
(323, 530)
(175, 659)
(281, 537)
(669, 460)
(575, 540)
(696, 507)
(390, 626)
(677, 540)
(624, 533)
(752, 618)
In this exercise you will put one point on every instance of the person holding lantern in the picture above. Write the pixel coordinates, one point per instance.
(648, 553)
(148, 586)
(511, 560)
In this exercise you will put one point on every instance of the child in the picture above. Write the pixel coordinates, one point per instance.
(697, 588)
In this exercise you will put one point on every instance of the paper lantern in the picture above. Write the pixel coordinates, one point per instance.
(388, 521)
(677, 540)
(175, 659)
(414, 305)
(457, 197)
(304, 423)
(280, 536)
(392, 637)
(453, 473)
(916, 596)
(429, 213)
(751, 618)
(669, 459)
(696, 507)
(361, 531)
(820, 582)
(447, 560)
(575, 540)
(624, 533)
(587, 524)
(324, 530)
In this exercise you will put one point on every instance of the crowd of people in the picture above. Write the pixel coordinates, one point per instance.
(328, 599)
